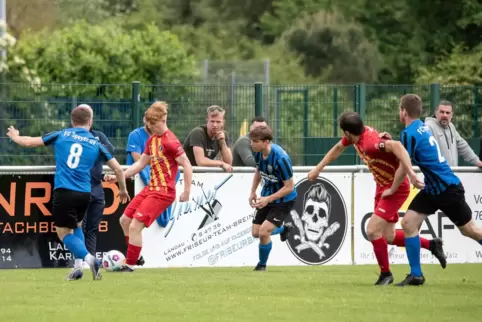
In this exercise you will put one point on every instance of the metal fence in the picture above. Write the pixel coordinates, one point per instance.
(303, 118)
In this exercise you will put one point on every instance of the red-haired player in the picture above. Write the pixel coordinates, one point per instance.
(164, 152)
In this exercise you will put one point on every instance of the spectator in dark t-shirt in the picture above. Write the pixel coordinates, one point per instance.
(204, 142)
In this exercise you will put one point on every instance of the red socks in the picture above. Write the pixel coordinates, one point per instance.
(127, 240)
(380, 248)
(399, 240)
(133, 253)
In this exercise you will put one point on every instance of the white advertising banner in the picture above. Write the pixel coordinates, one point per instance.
(458, 249)
(214, 228)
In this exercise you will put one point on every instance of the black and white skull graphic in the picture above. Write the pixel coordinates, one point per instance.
(313, 224)
(316, 211)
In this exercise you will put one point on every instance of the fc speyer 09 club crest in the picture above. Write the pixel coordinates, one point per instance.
(319, 221)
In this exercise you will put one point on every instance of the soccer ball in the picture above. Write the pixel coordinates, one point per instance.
(113, 261)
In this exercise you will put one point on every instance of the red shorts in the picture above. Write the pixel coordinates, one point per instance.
(387, 208)
(148, 205)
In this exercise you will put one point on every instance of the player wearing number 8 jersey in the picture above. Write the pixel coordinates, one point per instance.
(443, 189)
(76, 151)
(389, 163)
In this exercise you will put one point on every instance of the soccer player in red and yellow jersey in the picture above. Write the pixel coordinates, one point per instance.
(389, 163)
(164, 152)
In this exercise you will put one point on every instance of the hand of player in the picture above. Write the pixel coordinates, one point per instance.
(416, 182)
(479, 164)
(388, 192)
(184, 196)
(124, 196)
(12, 132)
(385, 135)
(110, 178)
(252, 199)
(261, 202)
(227, 167)
(313, 174)
(220, 136)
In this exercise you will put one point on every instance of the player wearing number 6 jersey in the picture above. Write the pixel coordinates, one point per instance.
(76, 151)
(389, 163)
(443, 189)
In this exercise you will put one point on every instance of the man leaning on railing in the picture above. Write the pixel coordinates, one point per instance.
(450, 142)
(205, 142)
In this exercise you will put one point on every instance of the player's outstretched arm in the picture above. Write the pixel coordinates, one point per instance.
(399, 151)
(331, 156)
(25, 141)
(138, 166)
(119, 174)
(183, 161)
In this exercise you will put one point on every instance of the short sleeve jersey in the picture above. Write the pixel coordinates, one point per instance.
(425, 153)
(275, 169)
(371, 149)
(76, 151)
(164, 150)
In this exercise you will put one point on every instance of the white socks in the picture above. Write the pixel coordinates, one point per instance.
(78, 263)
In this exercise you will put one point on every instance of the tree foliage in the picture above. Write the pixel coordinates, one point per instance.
(86, 53)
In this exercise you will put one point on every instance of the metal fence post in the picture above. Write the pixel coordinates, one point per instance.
(434, 97)
(136, 98)
(258, 99)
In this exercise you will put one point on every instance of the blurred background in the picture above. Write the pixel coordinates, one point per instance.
(311, 60)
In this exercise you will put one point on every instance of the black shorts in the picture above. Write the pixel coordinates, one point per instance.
(69, 207)
(275, 213)
(451, 202)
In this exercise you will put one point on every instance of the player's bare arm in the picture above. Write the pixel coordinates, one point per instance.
(288, 187)
(25, 141)
(399, 151)
(254, 186)
(331, 156)
(400, 175)
(133, 169)
(226, 153)
(138, 166)
(183, 161)
(135, 156)
(119, 174)
(202, 161)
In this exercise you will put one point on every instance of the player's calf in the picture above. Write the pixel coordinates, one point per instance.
(375, 229)
(135, 243)
(265, 244)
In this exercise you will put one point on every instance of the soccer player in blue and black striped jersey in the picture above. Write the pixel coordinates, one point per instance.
(273, 166)
(443, 189)
(76, 151)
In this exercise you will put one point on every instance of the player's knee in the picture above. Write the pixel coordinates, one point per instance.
(373, 233)
(264, 232)
(135, 226)
(255, 231)
(125, 221)
(409, 224)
